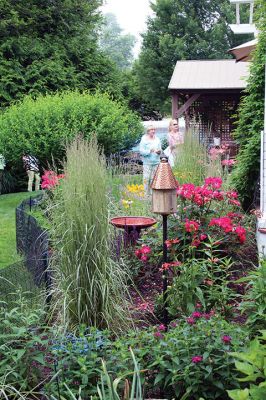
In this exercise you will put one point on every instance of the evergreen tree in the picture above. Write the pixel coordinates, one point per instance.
(50, 45)
(115, 44)
(181, 29)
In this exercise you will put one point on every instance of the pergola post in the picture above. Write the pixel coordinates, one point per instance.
(174, 105)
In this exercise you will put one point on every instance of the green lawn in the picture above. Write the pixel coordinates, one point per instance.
(8, 204)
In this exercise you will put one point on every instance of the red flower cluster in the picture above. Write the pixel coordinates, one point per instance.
(167, 266)
(170, 242)
(143, 253)
(214, 182)
(226, 224)
(191, 226)
(50, 179)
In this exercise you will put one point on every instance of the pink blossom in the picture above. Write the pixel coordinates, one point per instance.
(214, 182)
(145, 249)
(241, 233)
(191, 320)
(223, 222)
(196, 359)
(229, 162)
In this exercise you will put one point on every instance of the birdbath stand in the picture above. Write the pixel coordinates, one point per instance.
(132, 227)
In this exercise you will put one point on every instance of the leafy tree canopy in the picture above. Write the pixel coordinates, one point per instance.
(50, 45)
(196, 29)
(115, 44)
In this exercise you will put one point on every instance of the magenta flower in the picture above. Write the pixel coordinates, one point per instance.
(196, 359)
(226, 339)
(191, 321)
(162, 327)
(158, 335)
(196, 314)
(145, 249)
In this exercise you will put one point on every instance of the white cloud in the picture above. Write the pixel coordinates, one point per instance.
(131, 16)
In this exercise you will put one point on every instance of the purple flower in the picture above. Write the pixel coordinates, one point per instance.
(191, 321)
(196, 359)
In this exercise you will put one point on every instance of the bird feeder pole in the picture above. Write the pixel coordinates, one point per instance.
(164, 203)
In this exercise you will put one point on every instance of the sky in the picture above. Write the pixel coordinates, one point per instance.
(131, 16)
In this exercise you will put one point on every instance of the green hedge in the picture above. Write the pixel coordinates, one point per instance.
(44, 125)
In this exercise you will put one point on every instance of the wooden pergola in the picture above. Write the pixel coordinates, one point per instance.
(207, 93)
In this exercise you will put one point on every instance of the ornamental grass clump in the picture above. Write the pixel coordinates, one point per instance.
(91, 284)
(191, 161)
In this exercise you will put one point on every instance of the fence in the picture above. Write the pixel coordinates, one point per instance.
(30, 275)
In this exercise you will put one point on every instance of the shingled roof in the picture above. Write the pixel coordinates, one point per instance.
(209, 75)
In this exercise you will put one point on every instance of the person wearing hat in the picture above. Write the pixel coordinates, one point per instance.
(150, 149)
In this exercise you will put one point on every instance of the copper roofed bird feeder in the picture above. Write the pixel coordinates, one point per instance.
(164, 202)
(164, 189)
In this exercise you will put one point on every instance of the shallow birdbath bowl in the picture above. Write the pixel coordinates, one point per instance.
(132, 227)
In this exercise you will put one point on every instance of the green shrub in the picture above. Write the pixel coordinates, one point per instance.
(252, 365)
(43, 126)
(254, 303)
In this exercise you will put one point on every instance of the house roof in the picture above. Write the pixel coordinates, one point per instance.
(209, 74)
(244, 51)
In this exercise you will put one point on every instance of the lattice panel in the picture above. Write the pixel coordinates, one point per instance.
(214, 116)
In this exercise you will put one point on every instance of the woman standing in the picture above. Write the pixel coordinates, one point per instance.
(150, 149)
(174, 140)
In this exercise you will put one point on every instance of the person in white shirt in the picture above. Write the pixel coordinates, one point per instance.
(150, 149)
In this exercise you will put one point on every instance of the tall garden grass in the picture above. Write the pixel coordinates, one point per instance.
(191, 162)
(91, 284)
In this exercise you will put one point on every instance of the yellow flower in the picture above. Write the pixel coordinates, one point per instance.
(126, 203)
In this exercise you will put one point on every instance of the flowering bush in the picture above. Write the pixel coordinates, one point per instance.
(189, 360)
(50, 179)
(205, 213)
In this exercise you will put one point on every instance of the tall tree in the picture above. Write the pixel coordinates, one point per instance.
(49, 45)
(181, 29)
(116, 44)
